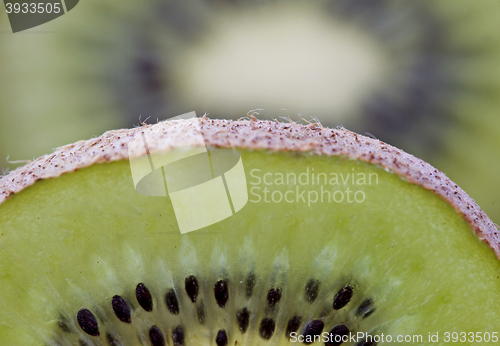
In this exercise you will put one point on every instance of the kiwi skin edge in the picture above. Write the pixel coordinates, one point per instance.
(255, 134)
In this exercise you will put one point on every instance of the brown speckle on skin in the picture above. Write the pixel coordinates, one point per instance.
(255, 134)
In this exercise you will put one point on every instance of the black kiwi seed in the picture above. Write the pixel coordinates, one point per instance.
(266, 328)
(144, 297)
(178, 336)
(249, 284)
(243, 319)
(111, 340)
(342, 297)
(171, 302)
(313, 329)
(121, 309)
(221, 339)
(312, 290)
(336, 335)
(191, 286)
(273, 297)
(293, 325)
(221, 293)
(156, 336)
(87, 322)
(366, 308)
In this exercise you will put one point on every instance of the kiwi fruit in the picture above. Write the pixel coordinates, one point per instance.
(343, 239)
(420, 75)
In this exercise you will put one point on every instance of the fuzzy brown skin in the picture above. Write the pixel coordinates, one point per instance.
(255, 134)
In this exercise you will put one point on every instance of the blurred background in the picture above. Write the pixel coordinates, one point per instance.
(421, 75)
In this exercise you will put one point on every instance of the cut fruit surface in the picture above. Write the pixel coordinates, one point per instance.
(325, 244)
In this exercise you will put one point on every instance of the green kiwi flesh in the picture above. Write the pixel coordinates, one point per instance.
(402, 262)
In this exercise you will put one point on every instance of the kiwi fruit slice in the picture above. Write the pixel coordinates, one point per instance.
(343, 239)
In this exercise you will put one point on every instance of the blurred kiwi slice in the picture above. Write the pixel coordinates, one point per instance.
(341, 236)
